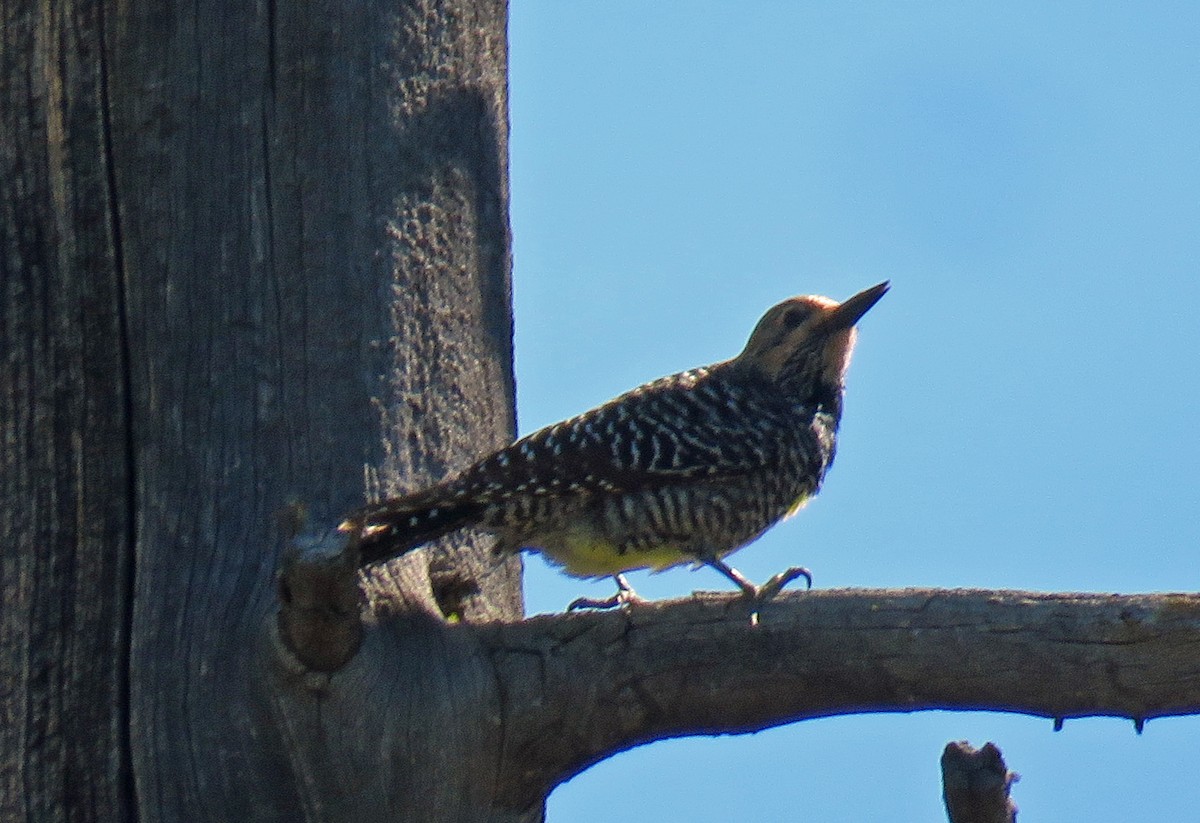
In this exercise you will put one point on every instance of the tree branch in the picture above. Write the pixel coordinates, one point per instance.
(319, 616)
(579, 687)
(976, 783)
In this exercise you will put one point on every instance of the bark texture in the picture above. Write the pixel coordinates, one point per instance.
(67, 504)
(254, 254)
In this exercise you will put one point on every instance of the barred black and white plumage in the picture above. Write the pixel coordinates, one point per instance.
(685, 469)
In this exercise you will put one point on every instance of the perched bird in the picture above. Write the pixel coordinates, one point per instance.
(685, 469)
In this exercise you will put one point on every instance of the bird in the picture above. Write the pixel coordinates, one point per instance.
(683, 470)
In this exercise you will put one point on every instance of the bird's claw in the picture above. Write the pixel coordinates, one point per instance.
(625, 596)
(768, 591)
(757, 595)
(617, 600)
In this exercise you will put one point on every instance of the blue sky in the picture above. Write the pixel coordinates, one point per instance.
(1021, 408)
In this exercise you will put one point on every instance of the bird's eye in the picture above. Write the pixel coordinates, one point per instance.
(792, 317)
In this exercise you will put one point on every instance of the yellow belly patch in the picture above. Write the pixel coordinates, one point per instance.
(587, 555)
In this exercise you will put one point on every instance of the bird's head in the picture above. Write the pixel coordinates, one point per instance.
(803, 345)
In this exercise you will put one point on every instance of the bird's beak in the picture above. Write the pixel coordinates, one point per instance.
(846, 314)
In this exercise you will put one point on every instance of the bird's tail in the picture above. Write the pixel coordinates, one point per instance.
(400, 524)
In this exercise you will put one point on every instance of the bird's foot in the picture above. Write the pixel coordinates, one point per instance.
(625, 596)
(767, 591)
(757, 595)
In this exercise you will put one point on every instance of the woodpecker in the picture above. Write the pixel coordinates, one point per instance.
(682, 470)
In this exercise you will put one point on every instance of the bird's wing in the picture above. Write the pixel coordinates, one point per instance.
(683, 427)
